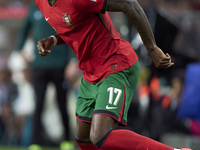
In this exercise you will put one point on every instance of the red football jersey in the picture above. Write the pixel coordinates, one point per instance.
(86, 27)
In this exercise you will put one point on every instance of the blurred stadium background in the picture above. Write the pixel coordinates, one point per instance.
(166, 104)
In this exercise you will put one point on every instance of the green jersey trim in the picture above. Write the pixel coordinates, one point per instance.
(51, 4)
(101, 19)
(105, 5)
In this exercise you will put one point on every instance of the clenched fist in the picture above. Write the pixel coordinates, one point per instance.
(160, 59)
(44, 46)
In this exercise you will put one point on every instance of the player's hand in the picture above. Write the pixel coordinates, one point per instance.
(160, 59)
(44, 46)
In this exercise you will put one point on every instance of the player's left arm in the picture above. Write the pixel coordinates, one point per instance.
(137, 17)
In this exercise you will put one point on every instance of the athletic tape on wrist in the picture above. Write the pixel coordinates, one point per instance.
(54, 40)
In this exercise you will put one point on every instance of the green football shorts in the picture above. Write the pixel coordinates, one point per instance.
(112, 96)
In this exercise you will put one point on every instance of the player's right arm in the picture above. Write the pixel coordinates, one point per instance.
(45, 45)
(137, 17)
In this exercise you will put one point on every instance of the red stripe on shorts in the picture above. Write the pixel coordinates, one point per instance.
(122, 108)
(83, 120)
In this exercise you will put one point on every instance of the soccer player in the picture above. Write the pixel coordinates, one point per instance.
(110, 68)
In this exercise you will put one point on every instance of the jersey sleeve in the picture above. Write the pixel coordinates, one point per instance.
(95, 6)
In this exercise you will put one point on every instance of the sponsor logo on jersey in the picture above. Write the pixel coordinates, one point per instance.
(67, 19)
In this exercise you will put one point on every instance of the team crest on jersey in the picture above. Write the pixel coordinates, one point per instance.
(67, 19)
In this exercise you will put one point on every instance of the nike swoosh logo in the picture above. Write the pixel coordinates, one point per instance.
(46, 19)
(93, 0)
(107, 107)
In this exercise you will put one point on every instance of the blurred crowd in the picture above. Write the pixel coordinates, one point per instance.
(166, 100)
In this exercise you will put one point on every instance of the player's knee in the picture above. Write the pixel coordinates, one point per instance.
(96, 136)
(82, 137)
(82, 131)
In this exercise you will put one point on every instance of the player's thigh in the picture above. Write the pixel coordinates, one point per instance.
(82, 130)
(115, 94)
(86, 101)
(101, 125)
